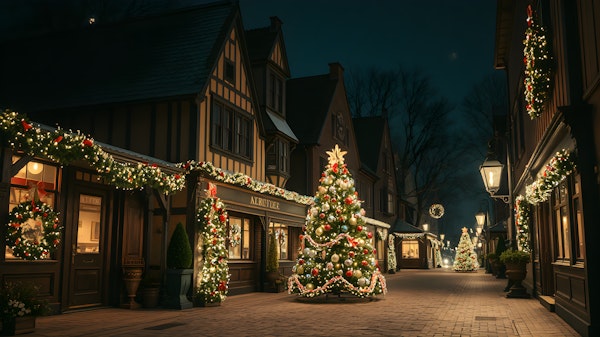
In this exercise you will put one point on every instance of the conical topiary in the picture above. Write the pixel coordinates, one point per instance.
(179, 252)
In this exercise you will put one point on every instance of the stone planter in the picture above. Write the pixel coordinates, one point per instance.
(132, 276)
(179, 282)
(516, 273)
(18, 326)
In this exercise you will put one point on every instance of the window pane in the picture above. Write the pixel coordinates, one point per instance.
(235, 251)
(410, 249)
(559, 232)
(88, 226)
(246, 240)
(565, 231)
(281, 237)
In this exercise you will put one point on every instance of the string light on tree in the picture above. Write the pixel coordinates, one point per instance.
(336, 254)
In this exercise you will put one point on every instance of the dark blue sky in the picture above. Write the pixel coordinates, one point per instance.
(451, 40)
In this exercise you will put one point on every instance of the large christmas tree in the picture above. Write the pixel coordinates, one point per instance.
(466, 258)
(336, 254)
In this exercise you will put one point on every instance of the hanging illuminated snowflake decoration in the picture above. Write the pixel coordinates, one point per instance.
(436, 211)
(538, 66)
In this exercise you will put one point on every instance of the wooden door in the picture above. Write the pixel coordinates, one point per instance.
(88, 248)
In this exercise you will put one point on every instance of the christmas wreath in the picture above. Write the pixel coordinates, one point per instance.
(33, 230)
(436, 211)
(538, 66)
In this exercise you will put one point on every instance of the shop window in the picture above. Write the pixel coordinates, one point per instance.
(562, 222)
(410, 249)
(242, 250)
(35, 178)
(577, 219)
(281, 237)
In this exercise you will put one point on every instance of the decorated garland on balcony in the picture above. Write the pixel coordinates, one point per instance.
(33, 230)
(559, 167)
(522, 216)
(212, 282)
(538, 66)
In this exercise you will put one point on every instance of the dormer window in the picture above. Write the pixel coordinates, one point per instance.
(339, 128)
(276, 93)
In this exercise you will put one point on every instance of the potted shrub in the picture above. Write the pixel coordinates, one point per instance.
(516, 262)
(19, 306)
(272, 267)
(179, 272)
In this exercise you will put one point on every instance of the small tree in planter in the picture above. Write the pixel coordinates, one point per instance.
(272, 267)
(516, 263)
(179, 273)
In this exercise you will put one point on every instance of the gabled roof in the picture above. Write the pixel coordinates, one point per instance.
(369, 132)
(308, 101)
(262, 41)
(166, 55)
(401, 226)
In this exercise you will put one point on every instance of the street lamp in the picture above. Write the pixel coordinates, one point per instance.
(425, 227)
(442, 236)
(491, 173)
(479, 230)
(480, 217)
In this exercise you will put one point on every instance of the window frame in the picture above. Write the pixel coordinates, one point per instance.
(232, 130)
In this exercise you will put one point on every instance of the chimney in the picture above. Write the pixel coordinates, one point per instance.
(336, 71)
(275, 24)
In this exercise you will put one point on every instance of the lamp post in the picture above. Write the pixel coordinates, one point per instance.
(491, 173)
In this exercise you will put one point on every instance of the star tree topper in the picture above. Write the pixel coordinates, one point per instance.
(336, 155)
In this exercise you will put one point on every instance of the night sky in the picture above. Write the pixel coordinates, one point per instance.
(453, 41)
(450, 41)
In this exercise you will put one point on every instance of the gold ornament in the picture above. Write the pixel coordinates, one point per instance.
(319, 231)
(357, 273)
(335, 258)
(310, 286)
(300, 270)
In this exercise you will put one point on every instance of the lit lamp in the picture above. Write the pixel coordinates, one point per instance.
(35, 167)
(442, 236)
(425, 227)
(491, 172)
(479, 230)
(475, 239)
(480, 217)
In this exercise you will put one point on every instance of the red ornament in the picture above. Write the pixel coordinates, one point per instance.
(301, 262)
(322, 215)
(351, 254)
(364, 263)
(327, 227)
(315, 272)
(26, 126)
(370, 235)
(349, 273)
(359, 228)
(222, 217)
(58, 139)
(348, 200)
(365, 251)
(88, 142)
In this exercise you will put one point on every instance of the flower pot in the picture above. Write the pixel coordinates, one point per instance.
(516, 273)
(179, 282)
(18, 325)
(150, 296)
(132, 276)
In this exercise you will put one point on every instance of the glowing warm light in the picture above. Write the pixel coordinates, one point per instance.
(442, 236)
(35, 167)
(479, 230)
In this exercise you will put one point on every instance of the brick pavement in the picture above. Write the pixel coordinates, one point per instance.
(436, 303)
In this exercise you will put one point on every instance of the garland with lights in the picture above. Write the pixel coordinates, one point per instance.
(212, 282)
(336, 254)
(65, 147)
(538, 66)
(559, 167)
(436, 211)
(33, 218)
(243, 180)
(522, 217)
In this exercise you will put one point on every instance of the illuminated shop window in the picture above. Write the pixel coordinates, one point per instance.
(281, 237)
(34, 178)
(410, 249)
(242, 250)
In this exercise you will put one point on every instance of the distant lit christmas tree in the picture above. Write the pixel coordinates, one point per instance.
(466, 258)
(336, 254)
